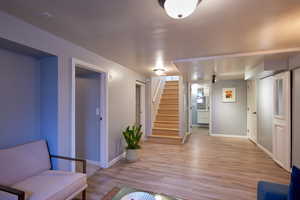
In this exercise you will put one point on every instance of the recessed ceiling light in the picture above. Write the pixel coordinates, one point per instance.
(159, 71)
(47, 14)
(179, 9)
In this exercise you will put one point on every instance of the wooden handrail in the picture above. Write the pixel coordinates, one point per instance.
(72, 159)
(20, 194)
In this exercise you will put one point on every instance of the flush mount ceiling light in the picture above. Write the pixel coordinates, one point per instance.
(179, 9)
(159, 71)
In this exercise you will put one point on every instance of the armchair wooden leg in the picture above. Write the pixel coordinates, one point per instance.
(84, 195)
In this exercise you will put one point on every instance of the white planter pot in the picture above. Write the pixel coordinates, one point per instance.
(132, 155)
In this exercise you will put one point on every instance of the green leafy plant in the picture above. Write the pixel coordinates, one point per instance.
(133, 136)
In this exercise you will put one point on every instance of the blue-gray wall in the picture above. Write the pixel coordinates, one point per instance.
(28, 102)
(121, 81)
(49, 102)
(229, 118)
(20, 99)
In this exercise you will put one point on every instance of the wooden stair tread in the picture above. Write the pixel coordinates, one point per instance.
(168, 97)
(167, 115)
(166, 136)
(166, 129)
(171, 82)
(163, 130)
(167, 122)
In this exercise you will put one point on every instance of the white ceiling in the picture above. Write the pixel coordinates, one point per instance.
(139, 35)
(224, 68)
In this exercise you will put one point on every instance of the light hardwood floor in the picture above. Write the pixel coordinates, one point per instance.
(206, 168)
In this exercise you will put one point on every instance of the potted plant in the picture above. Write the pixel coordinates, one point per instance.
(133, 136)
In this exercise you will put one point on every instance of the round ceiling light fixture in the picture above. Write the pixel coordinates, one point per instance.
(159, 71)
(179, 9)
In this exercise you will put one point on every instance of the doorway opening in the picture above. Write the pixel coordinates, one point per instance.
(87, 116)
(200, 106)
(89, 139)
(140, 105)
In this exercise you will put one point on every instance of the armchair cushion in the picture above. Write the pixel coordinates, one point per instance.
(272, 191)
(294, 189)
(21, 162)
(53, 185)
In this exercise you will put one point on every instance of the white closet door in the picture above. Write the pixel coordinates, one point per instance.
(282, 120)
(251, 110)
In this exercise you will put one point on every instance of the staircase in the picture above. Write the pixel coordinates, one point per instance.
(166, 126)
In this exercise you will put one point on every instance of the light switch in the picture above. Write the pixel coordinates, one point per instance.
(97, 111)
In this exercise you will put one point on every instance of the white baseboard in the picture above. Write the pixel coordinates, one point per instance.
(255, 142)
(265, 150)
(185, 137)
(271, 155)
(232, 136)
(115, 160)
(94, 162)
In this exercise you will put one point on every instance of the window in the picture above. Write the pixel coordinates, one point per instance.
(279, 99)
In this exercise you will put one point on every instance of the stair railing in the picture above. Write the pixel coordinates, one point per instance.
(156, 97)
(157, 90)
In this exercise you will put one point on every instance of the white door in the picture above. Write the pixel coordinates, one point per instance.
(282, 120)
(251, 110)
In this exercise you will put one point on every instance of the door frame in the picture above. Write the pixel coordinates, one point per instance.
(190, 116)
(250, 113)
(143, 105)
(190, 121)
(103, 110)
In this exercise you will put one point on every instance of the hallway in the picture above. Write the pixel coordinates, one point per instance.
(206, 168)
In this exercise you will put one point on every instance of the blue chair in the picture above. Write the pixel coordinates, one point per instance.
(272, 191)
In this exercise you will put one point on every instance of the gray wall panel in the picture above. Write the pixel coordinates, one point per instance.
(229, 118)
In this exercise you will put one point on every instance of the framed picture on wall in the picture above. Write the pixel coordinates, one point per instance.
(229, 95)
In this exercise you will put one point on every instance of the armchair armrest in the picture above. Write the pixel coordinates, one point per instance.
(19, 193)
(72, 159)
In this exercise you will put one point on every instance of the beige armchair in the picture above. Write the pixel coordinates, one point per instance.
(26, 173)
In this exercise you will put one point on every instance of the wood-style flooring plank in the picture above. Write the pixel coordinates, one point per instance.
(205, 168)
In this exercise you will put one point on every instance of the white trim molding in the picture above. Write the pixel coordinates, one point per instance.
(231, 136)
(185, 137)
(94, 162)
(117, 159)
(252, 140)
(272, 156)
(265, 150)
